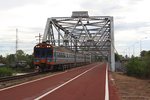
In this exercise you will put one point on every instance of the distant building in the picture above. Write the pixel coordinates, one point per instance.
(21, 63)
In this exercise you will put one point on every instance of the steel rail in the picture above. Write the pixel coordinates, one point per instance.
(9, 78)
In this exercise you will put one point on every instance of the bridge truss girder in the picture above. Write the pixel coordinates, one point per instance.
(92, 34)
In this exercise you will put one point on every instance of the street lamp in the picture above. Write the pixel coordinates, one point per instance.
(141, 44)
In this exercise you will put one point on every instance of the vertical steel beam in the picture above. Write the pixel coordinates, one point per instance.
(46, 30)
(58, 38)
(112, 55)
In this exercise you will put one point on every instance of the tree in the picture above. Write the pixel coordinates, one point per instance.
(10, 58)
(139, 67)
(1, 58)
(20, 55)
(118, 57)
(143, 53)
(30, 60)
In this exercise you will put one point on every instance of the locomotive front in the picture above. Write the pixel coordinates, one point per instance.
(43, 56)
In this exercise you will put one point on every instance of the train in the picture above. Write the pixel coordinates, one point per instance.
(49, 57)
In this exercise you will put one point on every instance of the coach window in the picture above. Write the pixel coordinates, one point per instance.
(63, 55)
(59, 54)
(56, 54)
(68, 55)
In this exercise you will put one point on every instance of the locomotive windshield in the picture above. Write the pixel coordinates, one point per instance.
(43, 52)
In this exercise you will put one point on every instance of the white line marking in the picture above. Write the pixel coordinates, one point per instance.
(31, 81)
(106, 85)
(64, 84)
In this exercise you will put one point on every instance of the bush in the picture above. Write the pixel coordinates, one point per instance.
(135, 67)
(5, 71)
(146, 59)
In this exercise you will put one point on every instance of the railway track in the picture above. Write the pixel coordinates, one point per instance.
(10, 78)
(4, 79)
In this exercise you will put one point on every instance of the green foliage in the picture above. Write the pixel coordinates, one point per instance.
(118, 57)
(5, 71)
(15, 61)
(139, 67)
(20, 55)
(146, 60)
(135, 67)
(10, 58)
(1, 59)
(143, 53)
(29, 60)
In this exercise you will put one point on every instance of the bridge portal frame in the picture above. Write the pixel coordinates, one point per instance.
(83, 33)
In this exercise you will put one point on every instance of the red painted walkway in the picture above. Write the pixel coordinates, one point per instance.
(84, 83)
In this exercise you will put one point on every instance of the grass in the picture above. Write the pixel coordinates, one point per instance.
(6, 71)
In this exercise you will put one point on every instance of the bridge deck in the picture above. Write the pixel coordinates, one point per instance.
(83, 83)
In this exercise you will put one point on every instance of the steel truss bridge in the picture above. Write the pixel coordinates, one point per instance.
(83, 33)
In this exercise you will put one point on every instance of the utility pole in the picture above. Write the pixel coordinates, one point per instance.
(141, 43)
(16, 43)
(133, 50)
(140, 46)
(39, 37)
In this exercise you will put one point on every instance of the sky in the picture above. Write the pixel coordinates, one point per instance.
(131, 21)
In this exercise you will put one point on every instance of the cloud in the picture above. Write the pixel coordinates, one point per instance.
(131, 25)
(131, 18)
(9, 4)
(131, 2)
(101, 7)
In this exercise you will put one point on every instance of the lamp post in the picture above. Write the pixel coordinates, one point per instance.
(141, 44)
(133, 50)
